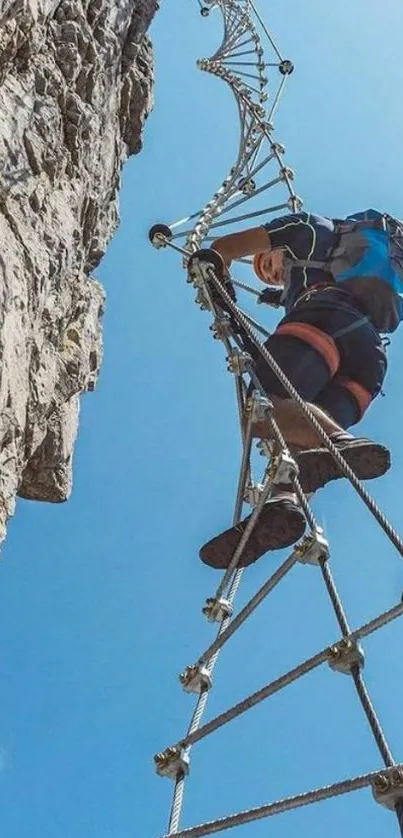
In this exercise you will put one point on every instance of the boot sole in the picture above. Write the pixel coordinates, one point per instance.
(279, 525)
(317, 467)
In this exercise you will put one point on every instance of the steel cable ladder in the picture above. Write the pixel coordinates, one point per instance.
(244, 60)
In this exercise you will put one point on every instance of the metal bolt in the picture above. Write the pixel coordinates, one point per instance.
(253, 493)
(238, 362)
(196, 679)
(287, 173)
(387, 789)
(217, 610)
(283, 470)
(247, 186)
(345, 655)
(259, 407)
(171, 762)
(295, 204)
(313, 549)
(221, 327)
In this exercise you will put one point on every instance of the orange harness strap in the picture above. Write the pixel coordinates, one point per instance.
(362, 396)
(323, 343)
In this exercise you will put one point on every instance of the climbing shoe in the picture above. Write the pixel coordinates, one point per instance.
(317, 467)
(280, 524)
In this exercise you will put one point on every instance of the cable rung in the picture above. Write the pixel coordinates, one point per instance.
(286, 679)
(249, 608)
(285, 805)
(238, 54)
(254, 194)
(249, 215)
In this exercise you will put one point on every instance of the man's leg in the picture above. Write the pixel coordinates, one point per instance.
(312, 349)
(295, 427)
(309, 358)
(281, 522)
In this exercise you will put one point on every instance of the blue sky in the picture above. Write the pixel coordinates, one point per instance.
(100, 598)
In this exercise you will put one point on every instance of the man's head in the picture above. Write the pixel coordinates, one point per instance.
(269, 266)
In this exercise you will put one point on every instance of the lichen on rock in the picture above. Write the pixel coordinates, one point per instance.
(75, 88)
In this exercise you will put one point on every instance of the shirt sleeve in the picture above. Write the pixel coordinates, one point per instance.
(292, 233)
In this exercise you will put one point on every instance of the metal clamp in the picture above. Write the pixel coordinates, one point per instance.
(287, 174)
(313, 549)
(238, 362)
(221, 327)
(345, 655)
(217, 610)
(295, 203)
(172, 762)
(196, 679)
(387, 788)
(278, 148)
(198, 273)
(202, 300)
(259, 407)
(266, 448)
(283, 470)
(247, 185)
(253, 493)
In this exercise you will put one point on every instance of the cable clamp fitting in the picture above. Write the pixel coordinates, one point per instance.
(266, 448)
(217, 610)
(259, 407)
(313, 549)
(295, 203)
(247, 185)
(387, 787)
(202, 301)
(283, 470)
(345, 655)
(238, 362)
(196, 679)
(198, 273)
(287, 174)
(172, 762)
(221, 327)
(253, 493)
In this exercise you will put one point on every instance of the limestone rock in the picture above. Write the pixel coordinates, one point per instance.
(75, 88)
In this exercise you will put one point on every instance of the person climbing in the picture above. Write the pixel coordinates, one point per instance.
(341, 284)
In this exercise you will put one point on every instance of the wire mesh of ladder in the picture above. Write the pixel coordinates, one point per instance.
(246, 56)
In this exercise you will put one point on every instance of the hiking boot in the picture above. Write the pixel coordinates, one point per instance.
(317, 467)
(281, 523)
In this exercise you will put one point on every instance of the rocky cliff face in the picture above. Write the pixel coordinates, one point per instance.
(75, 88)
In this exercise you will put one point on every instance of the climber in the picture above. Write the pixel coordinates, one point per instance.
(341, 284)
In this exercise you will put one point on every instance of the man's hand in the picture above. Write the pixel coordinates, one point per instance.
(271, 296)
(218, 264)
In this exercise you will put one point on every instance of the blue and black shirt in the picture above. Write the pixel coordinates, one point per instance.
(307, 237)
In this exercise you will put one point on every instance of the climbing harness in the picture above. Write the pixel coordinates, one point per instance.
(259, 170)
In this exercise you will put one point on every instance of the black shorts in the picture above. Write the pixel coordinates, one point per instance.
(330, 352)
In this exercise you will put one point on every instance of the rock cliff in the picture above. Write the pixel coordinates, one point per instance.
(75, 88)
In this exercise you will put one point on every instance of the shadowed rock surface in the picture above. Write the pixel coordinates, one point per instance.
(75, 88)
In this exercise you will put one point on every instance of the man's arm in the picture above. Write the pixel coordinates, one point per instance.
(246, 243)
(293, 233)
